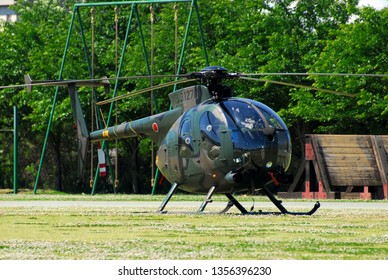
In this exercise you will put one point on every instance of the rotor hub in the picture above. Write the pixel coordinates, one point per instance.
(212, 76)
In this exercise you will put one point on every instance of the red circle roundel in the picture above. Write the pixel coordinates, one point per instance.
(155, 127)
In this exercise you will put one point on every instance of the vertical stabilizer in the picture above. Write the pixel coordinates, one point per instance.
(82, 131)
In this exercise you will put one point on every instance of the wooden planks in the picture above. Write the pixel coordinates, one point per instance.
(353, 160)
(346, 161)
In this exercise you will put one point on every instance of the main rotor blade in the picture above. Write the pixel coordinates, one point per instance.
(83, 82)
(300, 86)
(317, 74)
(102, 82)
(144, 90)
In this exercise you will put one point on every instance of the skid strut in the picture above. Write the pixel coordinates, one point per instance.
(168, 197)
(236, 203)
(207, 200)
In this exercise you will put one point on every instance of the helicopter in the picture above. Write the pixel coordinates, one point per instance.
(211, 142)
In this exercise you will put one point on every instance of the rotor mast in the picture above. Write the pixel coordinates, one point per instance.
(213, 76)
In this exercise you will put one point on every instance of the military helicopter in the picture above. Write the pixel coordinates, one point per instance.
(209, 142)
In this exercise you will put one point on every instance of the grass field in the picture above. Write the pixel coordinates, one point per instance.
(123, 233)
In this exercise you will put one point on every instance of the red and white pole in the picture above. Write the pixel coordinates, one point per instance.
(101, 160)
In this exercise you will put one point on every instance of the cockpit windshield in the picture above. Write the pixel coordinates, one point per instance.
(245, 123)
(248, 121)
(245, 116)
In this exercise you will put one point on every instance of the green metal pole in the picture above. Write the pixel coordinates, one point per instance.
(145, 52)
(178, 72)
(201, 32)
(54, 104)
(96, 177)
(87, 57)
(15, 150)
(155, 181)
(96, 4)
(86, 49)
(185, 40)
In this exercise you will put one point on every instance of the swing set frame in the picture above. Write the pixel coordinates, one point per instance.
(89, 57)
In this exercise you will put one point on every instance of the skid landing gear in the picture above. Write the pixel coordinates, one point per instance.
(234, 202)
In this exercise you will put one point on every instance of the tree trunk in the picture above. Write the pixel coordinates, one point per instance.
(134, 165)
(56, 141)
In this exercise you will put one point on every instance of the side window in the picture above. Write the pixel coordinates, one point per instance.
(185, 128)
(210, 134)
(210, 127)
(186, 139)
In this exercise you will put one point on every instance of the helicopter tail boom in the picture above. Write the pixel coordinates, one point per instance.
(154, 127)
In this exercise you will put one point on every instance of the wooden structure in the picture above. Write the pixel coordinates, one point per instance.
(342, 166)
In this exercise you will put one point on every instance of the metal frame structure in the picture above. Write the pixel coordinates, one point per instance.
(15, 149)
(134, 12)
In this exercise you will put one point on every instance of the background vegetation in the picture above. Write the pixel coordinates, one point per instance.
(250, 36)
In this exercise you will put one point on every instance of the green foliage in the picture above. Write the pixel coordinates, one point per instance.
(268, 36)
(357, 48)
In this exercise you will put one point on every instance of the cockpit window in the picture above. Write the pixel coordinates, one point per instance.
(271, 117)
(210, 127)
(272, 121)
(186, 140)
(245, 123)
(246, 117)
(186, 128)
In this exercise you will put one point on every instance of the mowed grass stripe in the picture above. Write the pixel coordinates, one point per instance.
(122, 233)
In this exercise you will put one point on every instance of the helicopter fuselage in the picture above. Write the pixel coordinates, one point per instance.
(225, 144)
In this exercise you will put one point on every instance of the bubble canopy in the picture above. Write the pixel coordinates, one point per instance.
(253, 126)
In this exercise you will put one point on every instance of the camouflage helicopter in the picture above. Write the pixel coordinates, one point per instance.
(209, 142)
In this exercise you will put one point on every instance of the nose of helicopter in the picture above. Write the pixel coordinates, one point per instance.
(258, 134)
(274, 153)
(268, 161)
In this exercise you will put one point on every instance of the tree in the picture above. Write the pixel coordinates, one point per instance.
(359, 48)
(33, 45)
(257, 36)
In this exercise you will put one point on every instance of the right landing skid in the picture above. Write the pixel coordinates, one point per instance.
(234, 202)
(278, 204)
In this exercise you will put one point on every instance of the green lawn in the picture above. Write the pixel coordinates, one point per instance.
(122, 233)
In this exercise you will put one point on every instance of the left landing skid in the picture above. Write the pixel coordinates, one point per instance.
(278, 204)
(201, 208)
